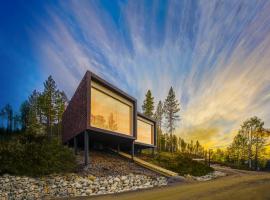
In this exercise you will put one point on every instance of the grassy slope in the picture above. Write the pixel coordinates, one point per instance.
(180, 163)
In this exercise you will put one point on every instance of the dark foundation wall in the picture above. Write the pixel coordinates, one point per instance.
(75, 116)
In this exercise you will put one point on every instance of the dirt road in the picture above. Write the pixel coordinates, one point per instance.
(237, 185)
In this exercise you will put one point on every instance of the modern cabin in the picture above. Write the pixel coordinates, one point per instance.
(101, 114)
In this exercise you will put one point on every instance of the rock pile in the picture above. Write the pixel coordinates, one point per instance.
(207, 177)
(15, 187)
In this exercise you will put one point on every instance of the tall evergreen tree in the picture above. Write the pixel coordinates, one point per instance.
(197, 147)
(183, 145)
(148, 104)
(171, 110)
(159, 117)
(34, 124)
(174, 143)
(48, 104)
(3, 117)
(9, 113)
(16, 122)
(24, 114)
(60, 104)
(159, 114)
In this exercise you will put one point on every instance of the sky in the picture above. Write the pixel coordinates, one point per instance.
(215, 54)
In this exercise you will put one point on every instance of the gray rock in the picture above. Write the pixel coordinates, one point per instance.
(78, 185)
(116, 179)
(89, 191)
(147, 184)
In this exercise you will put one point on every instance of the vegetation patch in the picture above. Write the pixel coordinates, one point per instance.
(180, 163)
(35, 155)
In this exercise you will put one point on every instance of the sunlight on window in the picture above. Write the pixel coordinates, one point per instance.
(110, 113)
(144, 132)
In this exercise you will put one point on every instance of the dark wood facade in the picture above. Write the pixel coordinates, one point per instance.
(75, 116)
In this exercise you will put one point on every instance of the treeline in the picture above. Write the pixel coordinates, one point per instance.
(29, 140)
(248, 147)
(41, 113)
(167, 115)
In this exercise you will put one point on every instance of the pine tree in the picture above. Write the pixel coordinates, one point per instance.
(174, 143)
(34, 124)
(162, 142)
(60, 103)
(16, 122)
(9, 113)
(171, 109)
(148, 104)
(159, 114)
(48, 104)
(183, 145)
(159, 117)
(197, 147)
(24, 110)
(3, 117)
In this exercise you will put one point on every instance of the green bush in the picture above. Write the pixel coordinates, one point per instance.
(181, 163)
(34, 155)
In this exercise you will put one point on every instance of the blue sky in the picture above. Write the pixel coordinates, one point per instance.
(216, 55)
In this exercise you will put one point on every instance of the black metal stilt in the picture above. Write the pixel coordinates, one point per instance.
(86, 148)
(132, 150)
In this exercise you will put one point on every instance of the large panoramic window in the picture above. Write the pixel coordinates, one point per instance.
(144, 131)
(109, 111)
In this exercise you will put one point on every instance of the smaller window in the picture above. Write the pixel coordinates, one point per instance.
(145, 131)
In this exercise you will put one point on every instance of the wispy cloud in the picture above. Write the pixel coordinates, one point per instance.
(215, 54)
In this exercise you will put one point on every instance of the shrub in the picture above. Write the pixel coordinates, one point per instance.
(181, 163)
(35, 155)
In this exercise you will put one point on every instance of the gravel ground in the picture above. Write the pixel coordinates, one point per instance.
(104, 163)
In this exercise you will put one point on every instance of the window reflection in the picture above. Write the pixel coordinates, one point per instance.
(109, 113)
(144, 132)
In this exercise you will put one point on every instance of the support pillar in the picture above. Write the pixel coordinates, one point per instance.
(86, 148)
(75, 145)
(132, 150)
